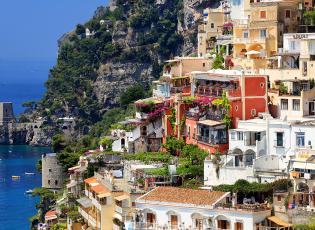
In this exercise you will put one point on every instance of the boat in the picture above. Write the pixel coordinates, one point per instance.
(29, 173)
(29, 191)
(16, 177)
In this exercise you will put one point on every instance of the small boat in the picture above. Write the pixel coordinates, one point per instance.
(16, 177)
(29, 191)
(29, 173)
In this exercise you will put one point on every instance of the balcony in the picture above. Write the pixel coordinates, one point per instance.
(142, 116)
(181, 89)
(249, 40)
(211, 141)
(89, 216)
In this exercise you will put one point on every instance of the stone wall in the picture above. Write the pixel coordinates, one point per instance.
(52, 172)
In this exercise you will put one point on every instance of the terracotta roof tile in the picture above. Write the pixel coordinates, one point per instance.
(51, 213)
(183, 195)
(99, 189)
(90, 180)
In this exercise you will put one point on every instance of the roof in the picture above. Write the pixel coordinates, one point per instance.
(90, 180)
(52, 214)
(99, 189)
(210, 122)
(122, 197)
(85, 202)
(184, 196)
(278, 221)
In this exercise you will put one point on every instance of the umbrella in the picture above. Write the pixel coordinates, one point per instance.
(252, 52)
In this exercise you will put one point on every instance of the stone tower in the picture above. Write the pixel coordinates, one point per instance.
(52, 173)
(6, 113)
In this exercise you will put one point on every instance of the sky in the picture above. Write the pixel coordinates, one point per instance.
(30, 28)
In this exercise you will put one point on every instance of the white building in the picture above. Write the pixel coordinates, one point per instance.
(179, 208)
(258, 151)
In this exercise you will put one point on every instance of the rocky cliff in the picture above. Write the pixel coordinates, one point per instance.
(121, 46)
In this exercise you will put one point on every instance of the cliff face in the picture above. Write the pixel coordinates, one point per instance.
(122, 45)
(16, 134)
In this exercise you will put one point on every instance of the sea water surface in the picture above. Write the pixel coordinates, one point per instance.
(16, 206)
(23, 80)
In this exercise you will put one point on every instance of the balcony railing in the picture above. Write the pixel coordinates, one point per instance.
(155, 226)
(210, 141)
(180, 89)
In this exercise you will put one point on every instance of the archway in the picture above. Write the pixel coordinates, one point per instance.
(173, 219)
(249, 157)
(238, 157)
(222, 222)
(198, 221)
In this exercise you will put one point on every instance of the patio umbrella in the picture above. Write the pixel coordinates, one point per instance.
(252, 52)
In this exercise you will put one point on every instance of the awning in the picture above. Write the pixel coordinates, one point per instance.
(104, 195)
(122, 197)
(85, 202)
(210, 123)
(278, 221)
(117, 216)
(252, 52)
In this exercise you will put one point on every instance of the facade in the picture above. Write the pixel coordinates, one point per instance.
(176, 208)
(259, 36)
(52, 172)
(104, 207)
(75, 186)
(6, 113)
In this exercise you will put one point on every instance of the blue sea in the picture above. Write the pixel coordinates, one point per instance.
(15, 206)
(23, 80)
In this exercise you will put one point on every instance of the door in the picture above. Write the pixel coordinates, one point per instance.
(311, 108)
(150, 219)
(174, 222)
(199, 224)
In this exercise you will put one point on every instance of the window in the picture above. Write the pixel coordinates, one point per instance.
(279, 198)
(284, 104)
(288, 14)
(236, 108)
(296, 104)
(239, 136)
(49, 182)
(204, 64)
(263, 33)
(300, 140)
(279, 139)
(245, 34)
(253, 112)
(232, 135)
(56, 182)
(49, 170)
(262, 85)
(212, 25)
(258, 136)
(292, 45)
(263, 14)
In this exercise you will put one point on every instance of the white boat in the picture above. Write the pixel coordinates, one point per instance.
(29, 173)
(16, 177)
(29, 191)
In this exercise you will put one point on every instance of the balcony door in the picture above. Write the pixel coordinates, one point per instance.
(150, 219)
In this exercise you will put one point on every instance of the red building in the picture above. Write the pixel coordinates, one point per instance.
(247, 95)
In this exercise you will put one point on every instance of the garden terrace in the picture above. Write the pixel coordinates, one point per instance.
(203, 108)
(292, 87)
(150, 108)
(212, 132)
(180, 85)
(214, 85)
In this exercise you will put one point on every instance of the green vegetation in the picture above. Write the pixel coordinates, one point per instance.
(309, 17)
(132, 94)
(149, 157)
(59, 227)
(106, 143)
(247, 187)
(283, 88)
(158, 172)
(224, 102)
(71, 81)
(173, 146)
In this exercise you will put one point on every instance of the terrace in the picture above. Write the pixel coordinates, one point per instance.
(215, 86)
(212, 132)
(149, 108)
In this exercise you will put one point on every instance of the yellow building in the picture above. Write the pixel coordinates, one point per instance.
(210, 28)
(257, 38)
(103, 207)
